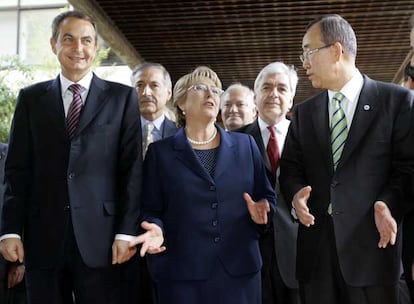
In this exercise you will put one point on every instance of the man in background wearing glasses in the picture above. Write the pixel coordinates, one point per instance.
(347, 157)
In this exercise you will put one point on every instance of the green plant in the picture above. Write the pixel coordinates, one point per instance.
(14, 74)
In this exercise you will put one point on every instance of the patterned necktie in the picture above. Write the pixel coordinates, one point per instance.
(339, 132)
(273, 150)
(339, 129)
(75, 108)
(147, 138)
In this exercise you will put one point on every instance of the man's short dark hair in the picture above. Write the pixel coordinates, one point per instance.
(71, 14)
(408, 72)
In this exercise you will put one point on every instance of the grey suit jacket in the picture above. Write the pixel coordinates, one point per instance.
(285, 228)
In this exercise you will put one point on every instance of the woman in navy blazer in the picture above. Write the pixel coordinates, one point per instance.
(205, 199)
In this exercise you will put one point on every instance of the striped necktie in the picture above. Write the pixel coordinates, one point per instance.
(148, 137)
(339, 129)
(339, 132)
(75, 108)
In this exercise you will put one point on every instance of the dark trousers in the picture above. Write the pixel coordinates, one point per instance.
(72, 278)
(408, 251)
(274, 290)
(136, 284)
(327, 285)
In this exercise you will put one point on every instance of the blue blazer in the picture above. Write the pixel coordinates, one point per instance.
(98, 173)
(204, 218)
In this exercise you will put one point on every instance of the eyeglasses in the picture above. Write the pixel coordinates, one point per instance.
(205, 88)
(306, 55)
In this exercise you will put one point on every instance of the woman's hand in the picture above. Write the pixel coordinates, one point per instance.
(151, 240)
(258, 210)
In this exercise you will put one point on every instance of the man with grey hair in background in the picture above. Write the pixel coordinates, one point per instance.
(274, 89)
(153, 85)
(237, 106)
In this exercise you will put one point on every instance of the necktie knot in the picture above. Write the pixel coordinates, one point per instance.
(272, 131)
(75, 88)
(338, 97)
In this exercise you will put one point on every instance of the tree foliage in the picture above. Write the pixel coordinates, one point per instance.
(14, 74)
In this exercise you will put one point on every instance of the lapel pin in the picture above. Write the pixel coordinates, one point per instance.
(367, 107)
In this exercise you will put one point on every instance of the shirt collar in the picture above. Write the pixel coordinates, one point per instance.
(157, 122)
(281, 127)
(351, 89)
(85, 82)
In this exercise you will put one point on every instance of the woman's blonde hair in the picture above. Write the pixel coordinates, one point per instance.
(181, 87)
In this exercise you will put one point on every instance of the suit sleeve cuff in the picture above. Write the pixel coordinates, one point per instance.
(124, 237)
(10, 236)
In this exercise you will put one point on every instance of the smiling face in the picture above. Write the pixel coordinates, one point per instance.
(75, 47)
(274, 98)
(237, 107)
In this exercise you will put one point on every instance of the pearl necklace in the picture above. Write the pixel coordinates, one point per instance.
(205, 142)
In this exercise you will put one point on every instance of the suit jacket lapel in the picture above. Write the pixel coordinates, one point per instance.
(254, 130)
(169, 128)
(320, 117)
(53, 105)
(365, 113)
(94, 102)
(187, 156)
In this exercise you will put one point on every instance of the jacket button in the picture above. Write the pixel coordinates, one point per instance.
(214, 205)
(212, 188)
(71, 175)
(216, 239)
(214, 223)
(66, 208)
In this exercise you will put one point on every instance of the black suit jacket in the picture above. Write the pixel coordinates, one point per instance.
(375, 165)
(285, 229)
(98, 173)
(3, 263)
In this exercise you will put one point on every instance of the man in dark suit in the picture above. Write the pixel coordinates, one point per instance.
(408, 224)
(274, 89)
(347, 157)
(73, 184)
(153, 85)
(11, 274)
(3, 262)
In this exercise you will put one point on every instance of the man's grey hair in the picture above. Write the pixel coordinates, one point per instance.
(145, 65)
(278, 68)
(236, 85)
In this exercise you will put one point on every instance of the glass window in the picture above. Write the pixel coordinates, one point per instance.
(6, 3)
(41, 2)
(35, 32)
(8, 25)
